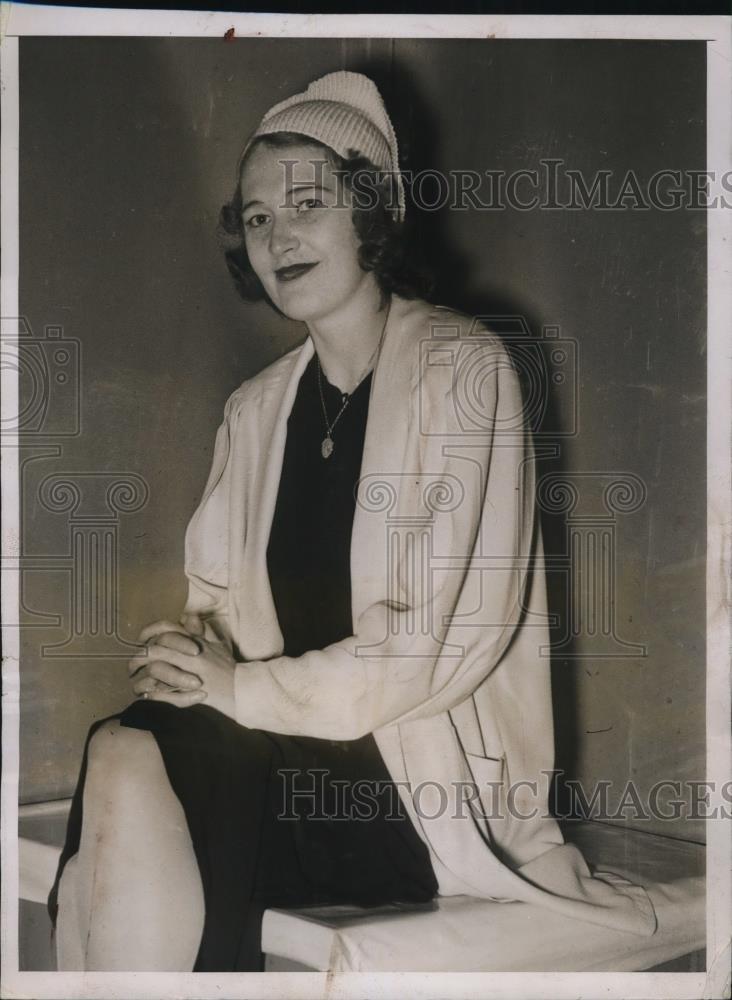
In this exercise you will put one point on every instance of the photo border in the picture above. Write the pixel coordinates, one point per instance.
(23, 21)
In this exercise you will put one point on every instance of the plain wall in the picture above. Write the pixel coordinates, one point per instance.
(128, 148)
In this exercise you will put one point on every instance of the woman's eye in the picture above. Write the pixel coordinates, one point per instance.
(255, 221)
(307, 204)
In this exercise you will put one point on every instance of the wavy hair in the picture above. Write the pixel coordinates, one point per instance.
(384, 243)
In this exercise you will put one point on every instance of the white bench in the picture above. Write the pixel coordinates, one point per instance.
(460, 933)
(463, 934)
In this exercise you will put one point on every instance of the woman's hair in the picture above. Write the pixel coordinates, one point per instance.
(383, 241)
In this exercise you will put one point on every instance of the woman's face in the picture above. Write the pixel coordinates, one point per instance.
(299, 232)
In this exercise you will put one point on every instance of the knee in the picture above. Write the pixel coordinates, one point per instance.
(120, 761)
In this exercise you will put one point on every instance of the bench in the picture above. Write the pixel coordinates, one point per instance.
(453, 933)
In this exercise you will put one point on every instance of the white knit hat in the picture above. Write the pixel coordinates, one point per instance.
(344, 111)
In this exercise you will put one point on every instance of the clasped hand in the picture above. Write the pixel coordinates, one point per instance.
(183, 665)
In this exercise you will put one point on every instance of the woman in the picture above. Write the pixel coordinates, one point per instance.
(363, 603)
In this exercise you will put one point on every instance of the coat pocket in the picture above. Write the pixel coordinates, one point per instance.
(488, 774)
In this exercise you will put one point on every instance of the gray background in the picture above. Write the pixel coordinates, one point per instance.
(127, 151)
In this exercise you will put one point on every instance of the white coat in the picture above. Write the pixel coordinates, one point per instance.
(445, 664)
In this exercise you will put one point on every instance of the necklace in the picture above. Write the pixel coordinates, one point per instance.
(327, 445)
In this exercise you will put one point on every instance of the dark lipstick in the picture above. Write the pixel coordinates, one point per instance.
(293, 271)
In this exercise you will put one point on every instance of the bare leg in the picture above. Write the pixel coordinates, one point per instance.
(69, 953)
(131, 899)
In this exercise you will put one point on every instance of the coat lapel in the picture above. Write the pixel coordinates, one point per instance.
(382, 461)
(258, 466)
(262, 449)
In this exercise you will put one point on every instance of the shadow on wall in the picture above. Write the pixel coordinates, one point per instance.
(453, 268)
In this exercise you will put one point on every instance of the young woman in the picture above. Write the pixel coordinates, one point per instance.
(355, 690)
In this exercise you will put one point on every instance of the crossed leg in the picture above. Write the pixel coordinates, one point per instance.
(131, 898)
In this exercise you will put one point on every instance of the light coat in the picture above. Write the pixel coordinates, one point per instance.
(448, 663)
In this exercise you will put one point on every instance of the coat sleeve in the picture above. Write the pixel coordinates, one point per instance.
(458, 565)
(207, 543)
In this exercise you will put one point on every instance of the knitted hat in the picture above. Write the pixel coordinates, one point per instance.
(344, 111)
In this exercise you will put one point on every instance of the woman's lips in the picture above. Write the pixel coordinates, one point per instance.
(293, 271)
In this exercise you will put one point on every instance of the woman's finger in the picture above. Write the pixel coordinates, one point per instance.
(136, 664)
(145, 685)
(158, 628)
(180, 642)
(166, 673)
(192, 623)
(181, 699)
(171, 675)
(186, 661)
(170, 642)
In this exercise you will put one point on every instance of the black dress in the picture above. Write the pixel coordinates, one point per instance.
(281, 820)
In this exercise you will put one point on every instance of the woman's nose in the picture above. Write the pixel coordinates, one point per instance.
(282, 237)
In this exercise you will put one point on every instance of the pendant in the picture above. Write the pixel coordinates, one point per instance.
(326, 448)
